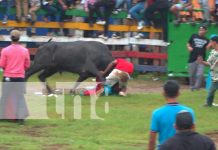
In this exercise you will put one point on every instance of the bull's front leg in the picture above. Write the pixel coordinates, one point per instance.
(79, 80)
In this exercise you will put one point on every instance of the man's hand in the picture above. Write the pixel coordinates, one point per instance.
(102, 73)
(190, 49)
(200, 59)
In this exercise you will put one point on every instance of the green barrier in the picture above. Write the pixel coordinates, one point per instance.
(177, 51)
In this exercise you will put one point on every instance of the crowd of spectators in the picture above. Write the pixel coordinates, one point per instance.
(144, 12)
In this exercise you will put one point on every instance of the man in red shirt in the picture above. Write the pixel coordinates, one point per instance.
(14, 61)
(121, 73)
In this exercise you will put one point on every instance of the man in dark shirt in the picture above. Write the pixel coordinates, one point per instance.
(186, 138)
(197, 46)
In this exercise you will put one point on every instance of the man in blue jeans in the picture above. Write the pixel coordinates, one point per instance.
(136, 12)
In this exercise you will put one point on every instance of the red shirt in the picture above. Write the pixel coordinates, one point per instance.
(150, 2)
(124, 65)
(15, 60)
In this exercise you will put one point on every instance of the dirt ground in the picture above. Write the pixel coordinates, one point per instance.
(148, 86)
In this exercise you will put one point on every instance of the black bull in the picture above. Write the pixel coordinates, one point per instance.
(83, 58)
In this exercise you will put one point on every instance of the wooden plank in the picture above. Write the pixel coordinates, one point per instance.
(110, 41)
(79, 26)
(150, 68)
(137, 54)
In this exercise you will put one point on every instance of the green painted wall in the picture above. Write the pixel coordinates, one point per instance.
(177, 51)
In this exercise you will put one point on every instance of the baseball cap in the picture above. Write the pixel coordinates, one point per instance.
(15, 33)
(203, 27)
(184, 120)
(213, 35)
(215, 39)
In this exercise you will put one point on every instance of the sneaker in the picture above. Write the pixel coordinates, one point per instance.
(176, 22)
(214, 104)
(28, 18)
(20, 121)
(32, 22)
(139, 36)
(103, 37)
(190, 20)
(18, 19)
(119, 9)
(207, 105)
(121, 93)
(140, 25)
(101, 22)
(115, 36)
(115, 12)
(129, 16)
(5, 20)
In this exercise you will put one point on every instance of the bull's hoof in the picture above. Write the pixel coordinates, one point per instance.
(72, 92)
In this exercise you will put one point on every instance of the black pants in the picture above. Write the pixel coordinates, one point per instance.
(108, 6)
(150, 15)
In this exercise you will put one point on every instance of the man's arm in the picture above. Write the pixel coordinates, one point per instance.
(109, 67)
(200, 60)
(189, 47)
(187, 4)
(152, 140)
(3, 59)
(27, 61)
(64, 6)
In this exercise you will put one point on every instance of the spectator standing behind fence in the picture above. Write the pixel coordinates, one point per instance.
(164, 117)
(50, 13)
(162, 7)
(206, 12)
(215, 12)
(119, 4)
(63, 6)
(136, 13)
(14, 60)
(34, 6)
(181, 5)
(21, 9)
(91, 9)
(197, 46)
(32, 18)
(186, 138)
(7, 4)
(108, 7)
(212, 61)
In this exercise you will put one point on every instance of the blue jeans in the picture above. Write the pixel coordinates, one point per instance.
(211, 93)
(137, 10)
(7, 4)
(121, 2)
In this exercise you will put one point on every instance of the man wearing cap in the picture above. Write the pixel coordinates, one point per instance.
(14, 60)
(197, 46)
(212, 61)
(186, 138)
(164, 117)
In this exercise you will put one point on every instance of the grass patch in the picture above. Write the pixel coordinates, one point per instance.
(125, 127)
